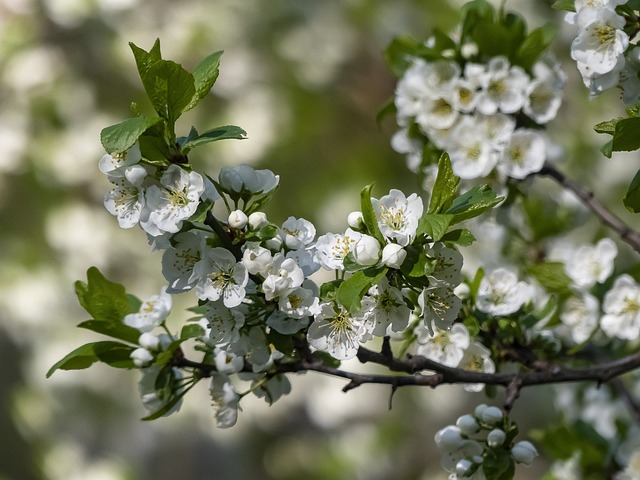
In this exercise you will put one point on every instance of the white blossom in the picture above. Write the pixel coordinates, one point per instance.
(126, 200)
(256, 259)
(297, 233)
(224, 323)
(218, 275)
(580, 315)
(524, 452)
(283, 276)
(237, 219)
(257, 220)
(225, 400)
(439, 305)
(398, 216)
(337, 332)
(448, 263)
(393, 255)
(332, 248)
(151, 313)
(179, 260)
(109, 163)
(503, 87)
(477, 358)
(141, 357)
(621, 308)
(500, 292)
(387, 308)
(443, 346)
(524, 155)
(589, 265)
(472, 155)
(245, 179)
(366, 250)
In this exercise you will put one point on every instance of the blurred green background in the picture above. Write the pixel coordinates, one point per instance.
(305, 79)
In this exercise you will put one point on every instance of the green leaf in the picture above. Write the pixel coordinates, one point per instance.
(170, 89)
(460, 236)
(191, 330)
(282, 343)
(474, 12)
(104, 300)
(472, 203)
(542, 313)
(567, 5)
(122, 136)
(534, 46)
(145, 59)
(327, 359)
(563, 441)
(400, 51)
(499, 464)
(492, 38)
(417, 264)
(626, 137)
(204, 76)
(608, 127)
(388, 109)
(369, 216)
(607, 149)
(112, 329)
(220, 133)
(632, 198)
(445, 186)
(434, 224)
(114, 353)
(351, 291)
(552, 276)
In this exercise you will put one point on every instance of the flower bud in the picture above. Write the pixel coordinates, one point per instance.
(149, 341)
(496, 438)
(274, 244)
(257, 220)
(356, 221)
(464, 467)
(468, 424)
(393, 255)
(524, 452)
(468, 50)
(366, 251)
(449, 439)
(237, 219)
(141, 357)
(491, 415)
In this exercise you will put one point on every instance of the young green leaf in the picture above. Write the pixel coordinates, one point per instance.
(461, 236)
(145, 59)
(351, 291)
(170, 89)
(368, 215)
(552, 276)
(112, 329)
(103, 299)
(122, 136)
(435, 225)
(445, 186)
(473, 203)
(625, 137)
(114, 353)
(567, 5)
(632, 198)
(220, 133)
(534, 46)
(204, 76)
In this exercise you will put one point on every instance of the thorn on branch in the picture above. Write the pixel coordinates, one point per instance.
(386, 347)
(513, 393)
(394, 388)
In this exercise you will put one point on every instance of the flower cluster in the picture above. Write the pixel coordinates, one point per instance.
(601, 48)
(476, 112)
(481, 444)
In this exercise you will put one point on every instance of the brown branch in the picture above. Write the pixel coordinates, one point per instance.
(587, 197)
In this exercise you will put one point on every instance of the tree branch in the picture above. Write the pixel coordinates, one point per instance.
(625, 232)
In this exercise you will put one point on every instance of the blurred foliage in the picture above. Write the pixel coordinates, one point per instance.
(305, 79)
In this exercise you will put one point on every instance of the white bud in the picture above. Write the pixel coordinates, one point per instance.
(141, 357)
(464, 467)
(274, 244)
(468, 50)
(149, 341)
(366, 251)
(524, 452)
(462, 291)
(257, 220)
(491, 415)
(393, 255)
(496, 437)
(237, 219)
(468, 424)
(356, 221)
(449, 439)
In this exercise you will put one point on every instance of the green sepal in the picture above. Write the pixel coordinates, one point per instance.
(122, 136)
(204, 76)
(351, 291)
(632, 198)
(498, 464)
(350, 265)
(103, 299)
(445, 186)
(368, 215)
(329, 290)
(220, 133)
(115, 354)
(472, 203)
(112, 329)
(417, 264)
(435, 225)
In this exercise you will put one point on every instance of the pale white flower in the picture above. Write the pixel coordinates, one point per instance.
(439, 305)
(297, 233)
(387, 308)
(366, 250)
(621, 308)
(410, 147)
(151, 313)
(283, 276)
(601, 42)
(141, 357)
(179, 259)
(448, 265)
(154, 399)
(219, 275)
(524, 155)
(463, 96)
(227, 362)
(477, 358)
(412, 90)
(337, 332)
(497, 128)
(299, 303)
(174, 200)
(589, 265)
(257, 220)
(503, 88)
(393, 255)
(225, 400)
(580, 315)
(524, 452)
(437, 113)
(472, 155)
(332, 248)
(588, 10)
(306, 260)
(126, 200)
(398, 215)
(443, 346)
(224, 323)
(542, 101)
(257, 259)
(500, 292)
(355, 220)
(598, 83)
(109, 163)
(245, 179)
